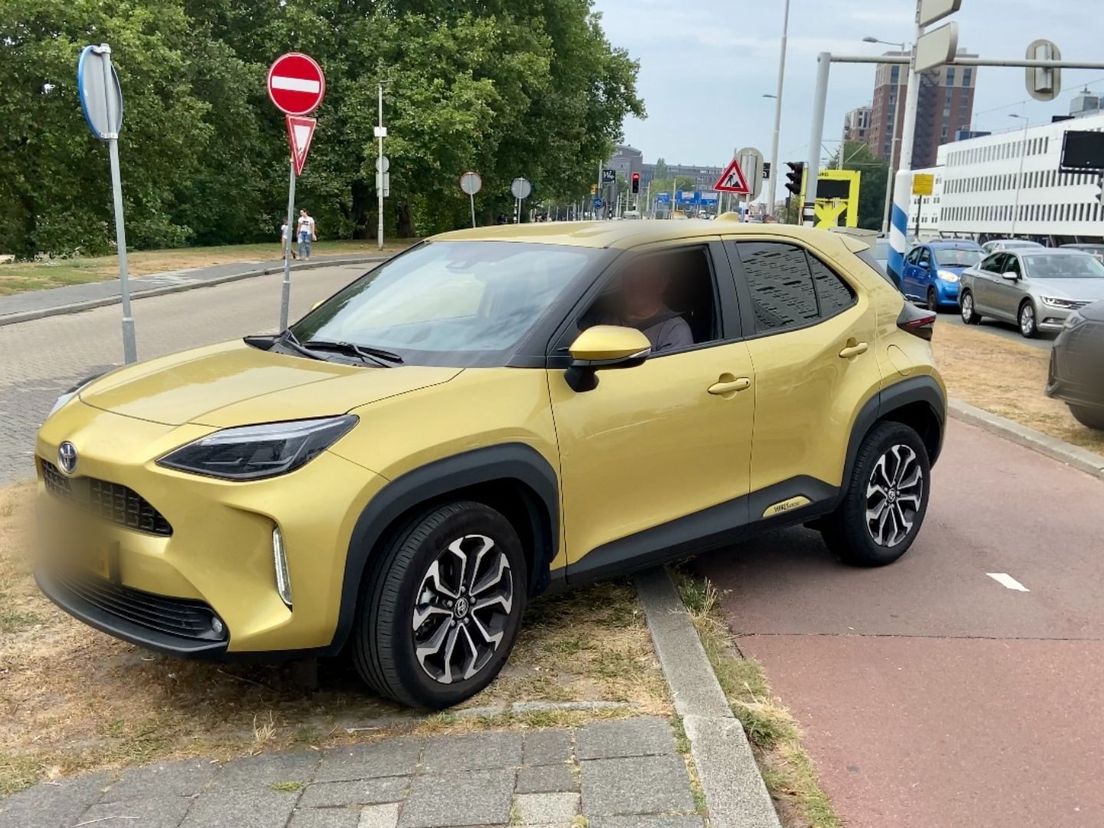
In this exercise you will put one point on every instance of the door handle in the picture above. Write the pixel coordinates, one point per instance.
(854, 350)
(730, 386)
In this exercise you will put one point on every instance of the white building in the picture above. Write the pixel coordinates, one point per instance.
(1008, 184)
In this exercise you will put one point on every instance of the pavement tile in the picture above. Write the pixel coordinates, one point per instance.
(393, 757)
(265, 770)
(546, 779)
(546, 747)
(50, 804)
(646, 821)
(466, 798)
(474, 751)
(325, 818)
(546, 808)
(355, 792)
(164, 811)
(241, 807)
(163, 779)
(644, 736)
(636, 785)
(379, 816)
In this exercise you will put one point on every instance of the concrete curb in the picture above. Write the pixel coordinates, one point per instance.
(1074, 456)
(161, 290)
(734, 789)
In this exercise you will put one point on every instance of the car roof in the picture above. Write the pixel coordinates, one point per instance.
(955, 244)
(1049, 251)
(622, 235)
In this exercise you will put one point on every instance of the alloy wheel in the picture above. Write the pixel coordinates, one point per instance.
(893, 495)
(967, 308)
(1027, 319)
(462, 607)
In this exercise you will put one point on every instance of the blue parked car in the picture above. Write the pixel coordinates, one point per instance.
(931, 271)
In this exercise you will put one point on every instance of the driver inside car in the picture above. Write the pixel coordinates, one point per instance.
(642, 306)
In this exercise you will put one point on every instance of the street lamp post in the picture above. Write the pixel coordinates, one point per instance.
(1019, 175)
(773, 177)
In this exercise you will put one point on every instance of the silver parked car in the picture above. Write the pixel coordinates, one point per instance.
(1035, 288)
(1009, 244)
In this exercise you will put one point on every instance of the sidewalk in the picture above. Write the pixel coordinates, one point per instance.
(618, 773)
(36, 304)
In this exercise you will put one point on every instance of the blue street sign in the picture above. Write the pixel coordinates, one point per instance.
(709, 197)
(101, 96)
(663, 198)
(597, 203)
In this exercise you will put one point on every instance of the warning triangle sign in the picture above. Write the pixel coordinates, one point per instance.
(732, 180)
(300, 131)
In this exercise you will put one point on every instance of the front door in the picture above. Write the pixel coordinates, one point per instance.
(644, 453)
(1006, 294)
(989, 273)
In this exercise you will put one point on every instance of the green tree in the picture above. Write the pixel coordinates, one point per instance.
(660, 169)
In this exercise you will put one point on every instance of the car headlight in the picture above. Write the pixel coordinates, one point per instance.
(1073, 320)
(72, 392)
(258, 451)
(948, 276)
(1056, 302)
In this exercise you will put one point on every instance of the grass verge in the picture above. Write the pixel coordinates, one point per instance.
(51, 273)
(775, 738)
(1006, 378)
(73, 699)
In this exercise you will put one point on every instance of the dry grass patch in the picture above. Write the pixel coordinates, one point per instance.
(775, 737)
(50, 273)
(1006, 378)
(74, 699)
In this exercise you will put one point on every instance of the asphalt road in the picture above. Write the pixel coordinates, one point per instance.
(43, 358)
(930, 693)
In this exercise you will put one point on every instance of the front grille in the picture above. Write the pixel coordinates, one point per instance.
(172, 616)
(111, 501)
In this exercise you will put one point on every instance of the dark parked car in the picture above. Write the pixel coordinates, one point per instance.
(1077, 366)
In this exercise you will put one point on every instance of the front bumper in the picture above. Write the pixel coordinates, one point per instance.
(947, 292)
(214, 550)
(1075, 374)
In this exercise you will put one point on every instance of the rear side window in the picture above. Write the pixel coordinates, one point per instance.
(789, 288)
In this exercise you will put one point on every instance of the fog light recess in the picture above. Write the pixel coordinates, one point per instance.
(279, 560)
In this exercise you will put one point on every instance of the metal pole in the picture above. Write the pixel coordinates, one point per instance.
(382, 174)
(816, 135)
(130, 349)
(902, 185)
(285, 297)
(1019, 177)
(773, 177)
(891, 171)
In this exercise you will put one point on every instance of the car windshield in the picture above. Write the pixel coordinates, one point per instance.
(956, 257)
(1063, 266)
(449, 303)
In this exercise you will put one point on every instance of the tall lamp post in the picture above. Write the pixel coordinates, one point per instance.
(773, 177)
(891, 169)
(1019, 175)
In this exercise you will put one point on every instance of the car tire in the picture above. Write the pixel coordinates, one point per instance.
(885, 501)
(933, 300)
(419, 638)
(1028, 321)
(966, 303)
(1089, 417)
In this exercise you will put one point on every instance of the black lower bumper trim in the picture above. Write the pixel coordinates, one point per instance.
(112, 624)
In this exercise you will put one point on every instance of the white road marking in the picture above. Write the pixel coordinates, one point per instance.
(295, 84)
(1006, 580)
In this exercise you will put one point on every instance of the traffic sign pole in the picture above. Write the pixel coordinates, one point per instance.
(379, 228)
(285, 295)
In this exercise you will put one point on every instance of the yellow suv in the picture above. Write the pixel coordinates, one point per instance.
(489, 415)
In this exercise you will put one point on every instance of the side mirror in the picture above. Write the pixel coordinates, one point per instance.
(1010, 276)
(602, 347)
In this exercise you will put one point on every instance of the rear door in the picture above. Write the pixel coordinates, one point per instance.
(812, 346)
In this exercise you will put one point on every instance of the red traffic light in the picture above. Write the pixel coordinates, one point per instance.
(636, 182)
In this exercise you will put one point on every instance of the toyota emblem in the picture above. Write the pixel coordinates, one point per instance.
(67, 457)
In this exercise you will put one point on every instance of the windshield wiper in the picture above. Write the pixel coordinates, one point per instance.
(387, 359)
(292, 341)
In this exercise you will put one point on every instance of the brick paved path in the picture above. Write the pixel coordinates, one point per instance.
(42, 358)
(617, 774)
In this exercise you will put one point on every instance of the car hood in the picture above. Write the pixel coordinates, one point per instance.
(1078, 289)
(235, 384)
(956, 268)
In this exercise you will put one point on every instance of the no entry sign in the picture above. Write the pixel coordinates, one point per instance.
(296, 83)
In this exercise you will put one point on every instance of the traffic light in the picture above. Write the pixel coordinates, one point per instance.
(636, 182)
(794, 176)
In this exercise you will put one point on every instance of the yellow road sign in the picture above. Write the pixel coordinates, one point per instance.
(923, 184)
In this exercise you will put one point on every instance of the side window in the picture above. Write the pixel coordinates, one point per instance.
(1012, 264)
(912, 254)
(669, 296)
(924, 259)
(789, 288)
(991, 262)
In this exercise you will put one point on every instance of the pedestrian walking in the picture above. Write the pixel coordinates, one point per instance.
(306, 234)
(285, 241)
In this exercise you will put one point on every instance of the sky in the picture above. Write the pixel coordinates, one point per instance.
(705, 65)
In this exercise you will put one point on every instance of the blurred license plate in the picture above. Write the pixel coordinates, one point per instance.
(101, 560)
